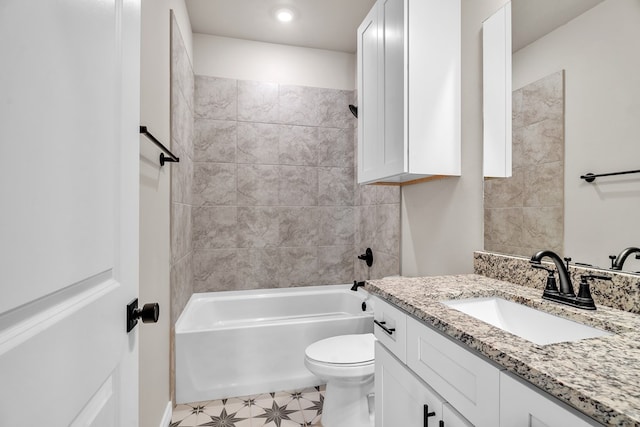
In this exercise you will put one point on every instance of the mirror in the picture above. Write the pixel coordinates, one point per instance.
(595, 46)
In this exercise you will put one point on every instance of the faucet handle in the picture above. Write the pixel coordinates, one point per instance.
(566, 261)
(613, 260)
(551, 288)
(584, 297)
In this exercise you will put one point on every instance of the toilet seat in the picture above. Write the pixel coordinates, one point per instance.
(343, 351)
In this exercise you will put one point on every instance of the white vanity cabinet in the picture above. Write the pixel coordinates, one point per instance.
(409, 91)
(470, 384)
(521, 405)
(418, 366)
(402, 399)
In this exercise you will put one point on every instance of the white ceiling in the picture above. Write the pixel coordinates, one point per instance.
(332, 24)
(320, 24)
(532, 19)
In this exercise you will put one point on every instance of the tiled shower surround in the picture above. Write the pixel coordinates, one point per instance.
(275, 203)
(265, 193)
(525, 213)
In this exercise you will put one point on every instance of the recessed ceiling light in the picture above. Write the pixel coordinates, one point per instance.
(285, 15)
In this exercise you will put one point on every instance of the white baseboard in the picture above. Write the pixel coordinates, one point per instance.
(166, 417)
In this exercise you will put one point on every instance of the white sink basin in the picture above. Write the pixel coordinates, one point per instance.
(526, 322)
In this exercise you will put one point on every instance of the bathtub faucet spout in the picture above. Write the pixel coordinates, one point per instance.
(356, 285)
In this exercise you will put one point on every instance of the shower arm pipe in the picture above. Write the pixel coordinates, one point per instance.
(163, 159)
(590, 177)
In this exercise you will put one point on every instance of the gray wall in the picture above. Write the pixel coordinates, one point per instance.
(442, 220)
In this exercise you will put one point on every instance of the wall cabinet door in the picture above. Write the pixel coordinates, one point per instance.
(370, 97)
(409, 90)
(401, 398)
(523, 406)
(496, 88)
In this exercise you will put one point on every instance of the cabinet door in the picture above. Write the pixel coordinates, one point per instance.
(392, 22)
(451, 418)
(496, 65)
(466, 381)
(401, 398)
(523, 406)
(370, 123)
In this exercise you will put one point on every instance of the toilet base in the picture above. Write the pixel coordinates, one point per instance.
(346, 403)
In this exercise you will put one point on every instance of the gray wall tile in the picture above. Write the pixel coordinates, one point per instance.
(181, 234)
(215, 227)
(525, 213)
(266, 156)
(298, 145)
(297, 186)
(336, 226)
(257, 101)
(298, 267)
(215, 184)
(215, 141)
(258, 143)
(335, 186)
(215, 270)
(258, 268)
(335, 147)
(181, 286)
(216, 98)
(258, 227)
(258, 185)
(335, 264)
(298, 226)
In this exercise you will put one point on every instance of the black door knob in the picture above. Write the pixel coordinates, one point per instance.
(149, 313)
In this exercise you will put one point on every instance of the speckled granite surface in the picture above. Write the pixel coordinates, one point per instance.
(599, 376)
(622, 292)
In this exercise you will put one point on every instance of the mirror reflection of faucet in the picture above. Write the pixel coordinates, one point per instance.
(617, 262)
(565, 294)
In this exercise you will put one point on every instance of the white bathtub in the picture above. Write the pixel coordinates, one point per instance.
(248, 342)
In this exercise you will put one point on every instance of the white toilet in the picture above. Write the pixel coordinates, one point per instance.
(346, 363)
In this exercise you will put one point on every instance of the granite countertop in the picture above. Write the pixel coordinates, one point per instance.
(598, 376)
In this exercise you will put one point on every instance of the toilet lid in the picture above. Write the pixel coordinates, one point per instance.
(343, 349)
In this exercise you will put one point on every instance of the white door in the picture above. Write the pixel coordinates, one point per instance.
(69, 105)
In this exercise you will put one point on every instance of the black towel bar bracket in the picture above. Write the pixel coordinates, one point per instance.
(163, 159)
(590, 177)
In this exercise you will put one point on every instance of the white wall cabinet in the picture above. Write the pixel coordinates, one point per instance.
(460, 387)
(409, 91)
(496, 93)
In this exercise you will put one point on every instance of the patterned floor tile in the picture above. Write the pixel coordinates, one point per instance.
(298, 408)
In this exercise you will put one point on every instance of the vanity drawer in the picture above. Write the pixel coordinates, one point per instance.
(390, 328)
(469, 383)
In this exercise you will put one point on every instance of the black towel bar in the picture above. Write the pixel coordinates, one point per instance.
(163, 159)
(590, 177)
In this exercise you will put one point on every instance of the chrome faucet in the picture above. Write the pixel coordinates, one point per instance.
(618, 262)
(566, 294)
